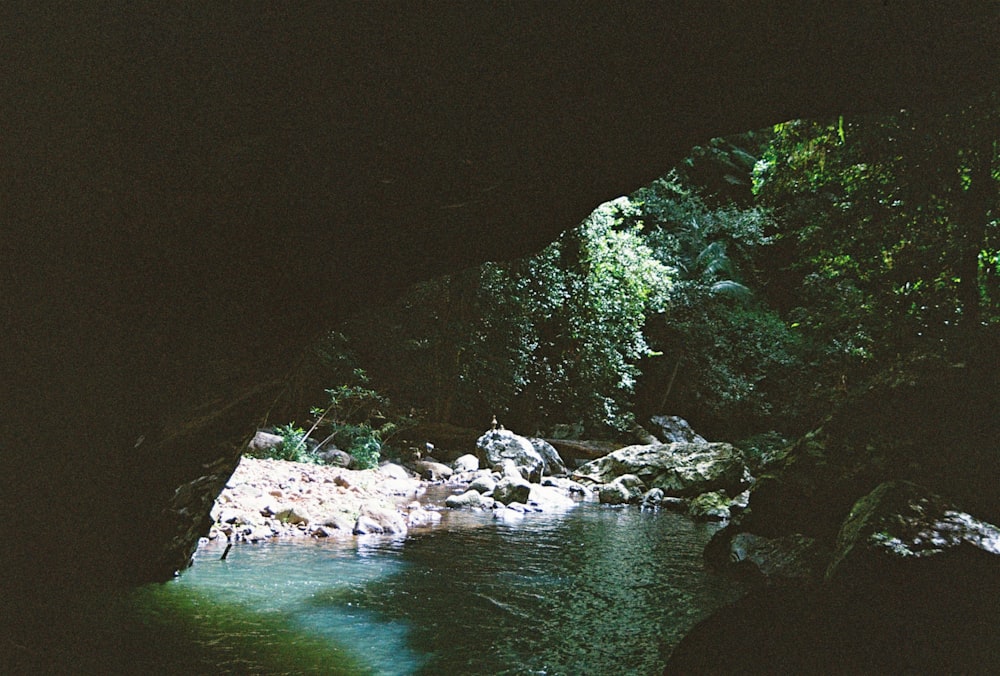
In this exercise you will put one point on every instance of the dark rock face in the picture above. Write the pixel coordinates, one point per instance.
(172, 177)
(901, 526)
(909, 589)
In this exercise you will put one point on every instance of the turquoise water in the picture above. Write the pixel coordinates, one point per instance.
(595, 590)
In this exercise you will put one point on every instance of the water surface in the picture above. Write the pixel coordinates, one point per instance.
(595, 590)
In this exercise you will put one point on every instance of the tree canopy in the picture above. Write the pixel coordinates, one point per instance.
(746, 289)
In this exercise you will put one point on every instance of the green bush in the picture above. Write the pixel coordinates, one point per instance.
(366, 450)
(292, 446)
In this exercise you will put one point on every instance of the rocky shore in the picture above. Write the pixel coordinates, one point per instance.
(507, 475)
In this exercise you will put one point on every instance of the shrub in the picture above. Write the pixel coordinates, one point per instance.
(292, 447)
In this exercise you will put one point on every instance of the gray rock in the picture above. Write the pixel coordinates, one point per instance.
(470, 498)
(496, 446)
(679, 469)
(652, 499)
(674, 504)
(673, 429)
(510, 490)
(625, 489)
(432, 470)
(376, 520)
(393, 471)
(466, 463)
(550, 456)
(264, 441)
(549, 498)
(483, 484)
(335, 457)
(510, 470)
(337, 521)
(713, 506)
(568, 485)
(421, 518)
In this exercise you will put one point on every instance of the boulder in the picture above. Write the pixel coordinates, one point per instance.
(567, 485)
(679, 469)
(713, 506)
(421, 518)
(483, 484)
(509, 490)
(470, 498)
(337, 521)
(335, 457)
(671, 429)
(625, 489)
(509, 469)
(264, 441)
(393, 471)
(901, 528)
(550, 456)
(496, 446)
(378, 520)
(549, 498)
(432, 470)
(466, 463)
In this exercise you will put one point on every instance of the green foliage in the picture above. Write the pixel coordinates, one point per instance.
(355, 419)
(552, 338)
(886, 228)
(748, 289)
(292, 447)
(724, 351)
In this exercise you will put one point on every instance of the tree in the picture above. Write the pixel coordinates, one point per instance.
(551, 338)
(891, 223)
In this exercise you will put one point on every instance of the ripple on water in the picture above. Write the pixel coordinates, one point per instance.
(593, 590)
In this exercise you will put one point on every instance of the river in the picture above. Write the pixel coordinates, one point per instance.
(593, 590)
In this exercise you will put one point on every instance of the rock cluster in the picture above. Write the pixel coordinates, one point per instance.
(277, 498)
(512, 475)
(509, 475)
(707, 480)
